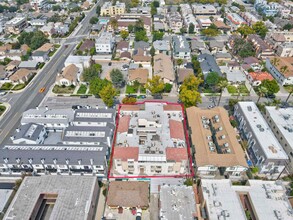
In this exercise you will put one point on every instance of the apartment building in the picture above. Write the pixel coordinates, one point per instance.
(235, 20)
(110, 10)
(181, 48)
(60, 141)
(262, 49)
(285, 49)
(163, 67)
(207, 10)
(174, 21)
(150, 141)
(264, 150)
(38, 4)
(220, 199)
(15, 25)
(249, 18)
(281, 69)
(71, 196)
(188, 16)
(104, 43)
(281, 123)
(217, 151)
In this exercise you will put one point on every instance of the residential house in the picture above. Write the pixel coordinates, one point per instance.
(249, 18)
(142, 45)
(69, 76)
(181, 49)
(268, 9)
(159, 26)
(140, 75)
(47, 47)
(80, 61)
(125, 55)
(87, 45)
(122, 46)
(12, 67)
(217, 150)
(234, 20)
(216, 46)
(141, 56)
(251, 63)
(161, 46)
(221, 25)
(163, 67)
(264, 150)
(30, 64)
(183, 73)
(40, 56)
(256, 78)
(262, 49)
(108, 9)
(208, 64)
(197, 45)
(175, 22)
(38, 4)
(105, 43)
(281, 69)
(204, 22)
(15, 25)
(223, 57)
(21, 76)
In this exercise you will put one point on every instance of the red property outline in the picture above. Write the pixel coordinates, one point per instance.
(191, 174)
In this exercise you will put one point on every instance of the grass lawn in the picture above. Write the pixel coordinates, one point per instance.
(63, 89)
(2, 109)
(232, 89)
(18, 87)
(52, 52)
(243, 89)
(6, 86)
(287, 88)
(130, 89)
(207, 90)
(82, 89)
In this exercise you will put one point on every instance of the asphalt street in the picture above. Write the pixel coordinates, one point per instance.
(30, 97)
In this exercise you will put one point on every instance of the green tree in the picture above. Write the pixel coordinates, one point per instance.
(108, 94)
(114, 23)
(130, 28)
(189, 94)
(129, 100)
(179, 62)
(191, 28)
(183, 30)
(56, 8)
(222, 84)
(98, 10)
(141, 36)
(117, 77)
(245, 30)
(271, 85)
(156, 4)
(124, 34)
(212, 79)
(97, 85)
(290, 91)
(139, 25)
(210, 32)
(91, 72)
(155, 85)
(158, 35)
(94, 20)
(152, 51)
(92, 51)
(288, 26)
(262, 91)
(260, 28)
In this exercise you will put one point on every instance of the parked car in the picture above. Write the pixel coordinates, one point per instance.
(110, 64)
(132, 96)
(270, 96)
(83, 96)
(158, 96)
(124, 67)
(74, 107)
(42, 90)
(141, 97)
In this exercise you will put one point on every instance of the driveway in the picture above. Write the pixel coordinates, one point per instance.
(106, 69)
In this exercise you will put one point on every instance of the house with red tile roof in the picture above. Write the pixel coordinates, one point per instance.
(256, 78)
(150, 141)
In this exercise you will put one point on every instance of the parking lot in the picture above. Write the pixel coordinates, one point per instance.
(114, 65)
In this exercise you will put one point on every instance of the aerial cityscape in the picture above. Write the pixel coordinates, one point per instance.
(146, 110)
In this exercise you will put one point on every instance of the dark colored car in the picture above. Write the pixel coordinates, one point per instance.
(270, 96)
(132, 96)
(74, 107)
(110, 64)
(158, 96)
(83, 96)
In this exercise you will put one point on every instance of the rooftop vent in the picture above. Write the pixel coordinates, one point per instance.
(249, 108)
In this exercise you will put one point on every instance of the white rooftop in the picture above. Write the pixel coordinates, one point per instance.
(283, 118)
(4, 196)
(267, 140)
(177, 202)
(267, 198)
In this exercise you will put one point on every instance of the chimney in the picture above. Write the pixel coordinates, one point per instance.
(37, 108)
(17, 130)
(47, 108)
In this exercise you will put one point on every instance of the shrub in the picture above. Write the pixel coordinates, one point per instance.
(168, 87)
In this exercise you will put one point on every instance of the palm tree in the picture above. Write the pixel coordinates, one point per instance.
(262, 91)
(290, 90)
(275, 61)
(222, 84)
(284, 69)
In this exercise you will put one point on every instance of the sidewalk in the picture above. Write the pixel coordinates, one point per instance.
(100, 207)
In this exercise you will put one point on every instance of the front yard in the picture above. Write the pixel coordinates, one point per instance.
(234, 90)
(131, 89)
(63, 89)
(82, 89)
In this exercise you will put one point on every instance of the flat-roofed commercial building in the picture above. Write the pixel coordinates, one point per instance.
(55, 197)
(264, 150)
(220, 199)
(150, 141)
(281, 123)
(217, 151)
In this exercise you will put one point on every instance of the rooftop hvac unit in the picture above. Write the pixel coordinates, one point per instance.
(211, 144)
(206, 126)
(217, 120)
(209, 137)
(226, 145)
(203, 118)
(223, 137)
(216, 116)
(212, 149)
(220, 128)
(228, 150)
